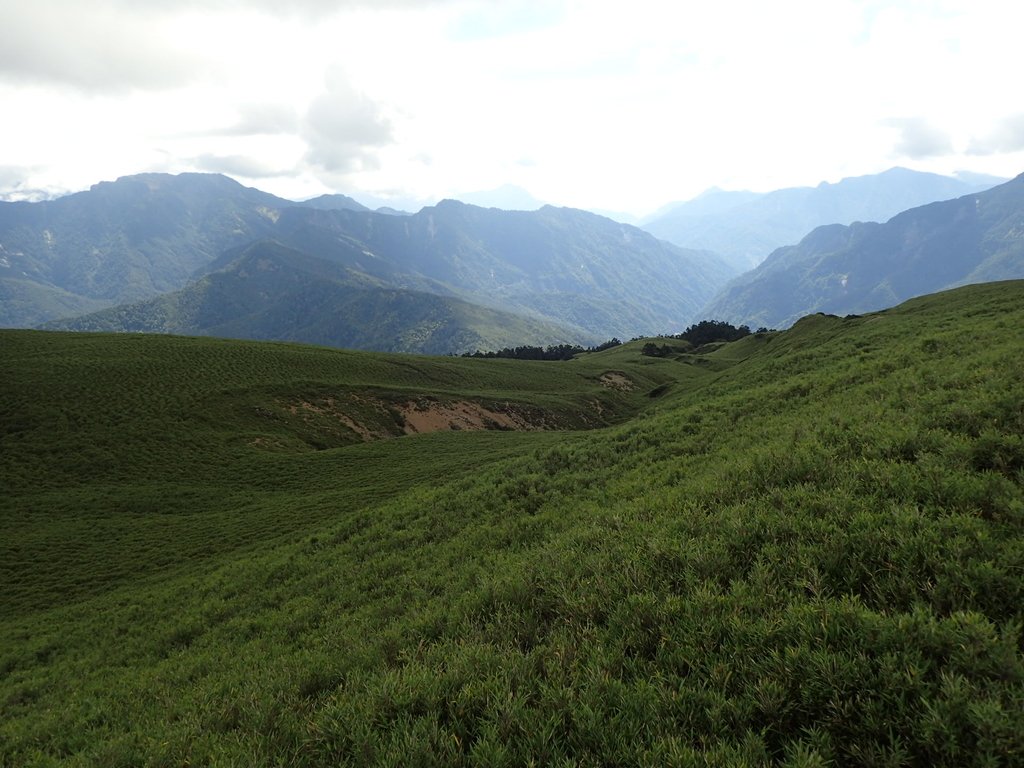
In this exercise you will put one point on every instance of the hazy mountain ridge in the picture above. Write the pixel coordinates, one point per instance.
(334, 203)
(508, 197)
(272, 292)
(571, 275)
(867, 266)
(128, 239)
(141, 236)
(28, 303)
(519, 260)
(709, 202)
(745, 227)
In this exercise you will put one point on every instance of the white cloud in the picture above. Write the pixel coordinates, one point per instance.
(90, 46)
(265, 118)
(14, 187)
(919, 139)
(582, 102)
(1007, 135)
(242, 166)
(343, 127)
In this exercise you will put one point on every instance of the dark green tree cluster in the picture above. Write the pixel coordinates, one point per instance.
(708, 331)
(704, 332)
(552, 352)
(612, 342)
(651, 349)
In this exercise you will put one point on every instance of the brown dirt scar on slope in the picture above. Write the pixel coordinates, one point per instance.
(617, 380)
(372, 418)
(426, 415)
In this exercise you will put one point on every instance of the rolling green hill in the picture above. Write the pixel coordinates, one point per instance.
(802, 548)
(865, 267)
(272, 292)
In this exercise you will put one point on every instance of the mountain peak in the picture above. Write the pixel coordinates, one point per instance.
(507, 197)
(449, 203)
(161, 180)
(334, 202)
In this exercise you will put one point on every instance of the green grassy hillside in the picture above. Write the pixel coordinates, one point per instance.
(138, 454)
(800, 548)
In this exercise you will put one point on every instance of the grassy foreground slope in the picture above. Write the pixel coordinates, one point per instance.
(128, 455)
(808, 550)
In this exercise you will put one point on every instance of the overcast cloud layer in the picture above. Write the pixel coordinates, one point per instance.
(589, 103)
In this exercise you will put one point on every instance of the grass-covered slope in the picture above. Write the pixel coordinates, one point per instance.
(126, 455)
(808, 549)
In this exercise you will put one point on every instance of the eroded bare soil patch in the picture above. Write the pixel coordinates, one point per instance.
(354, 417)
(428, 415)
(617, 380)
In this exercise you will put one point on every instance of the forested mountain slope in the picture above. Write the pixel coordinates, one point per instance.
(269, 291)
(864, 267)
(130, 240)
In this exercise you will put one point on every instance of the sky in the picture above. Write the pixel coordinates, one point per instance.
(594, 104)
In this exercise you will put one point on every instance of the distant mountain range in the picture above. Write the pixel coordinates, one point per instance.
(553, 275)
(507, 197)
(334, 203)
(589, 274)
(121, 241)
(344, 203)
(744, 227)
(272, 292)
(868, 266)
(201, 254)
